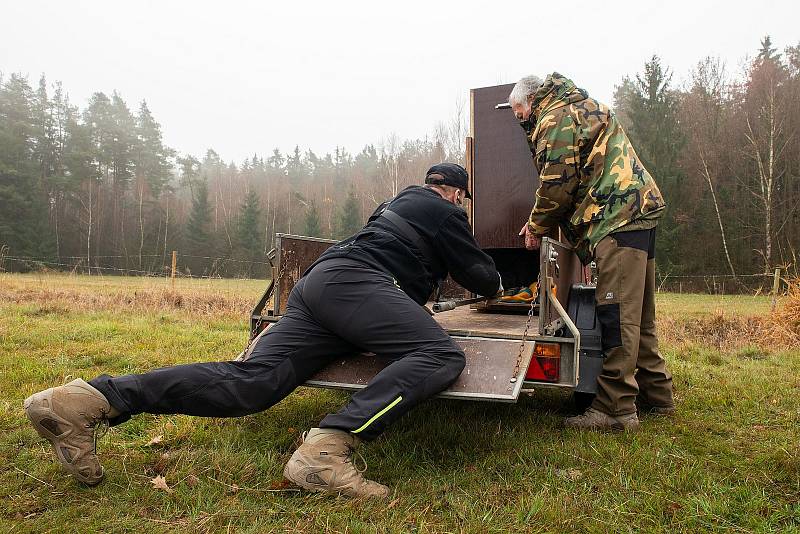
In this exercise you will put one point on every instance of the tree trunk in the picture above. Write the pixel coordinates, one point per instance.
(719, 217)
(122, 234)
(766, 174)
(166, 231)
(89, 232)
(55, 223)
(141, 223)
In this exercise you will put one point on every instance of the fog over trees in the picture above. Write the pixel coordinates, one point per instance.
(95, 186)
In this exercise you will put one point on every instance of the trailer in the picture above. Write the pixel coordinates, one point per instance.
(511, 348)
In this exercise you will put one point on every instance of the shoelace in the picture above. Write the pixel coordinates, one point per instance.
(352, 456)
(99, 429)
(349, 457)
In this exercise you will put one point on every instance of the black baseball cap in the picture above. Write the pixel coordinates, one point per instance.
(449, 174)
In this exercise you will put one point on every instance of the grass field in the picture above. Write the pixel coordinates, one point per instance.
(728, 461)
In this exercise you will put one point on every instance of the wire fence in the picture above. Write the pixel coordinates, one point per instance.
(215, 267)
(725, 284)
(146, 265)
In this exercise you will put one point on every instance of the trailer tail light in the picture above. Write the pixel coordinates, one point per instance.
(546, 363)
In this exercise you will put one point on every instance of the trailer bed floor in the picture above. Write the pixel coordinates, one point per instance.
(468, 322)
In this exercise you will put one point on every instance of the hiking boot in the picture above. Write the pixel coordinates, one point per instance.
(649, 409)
(593, 419)
(324, 462)
(67, 417)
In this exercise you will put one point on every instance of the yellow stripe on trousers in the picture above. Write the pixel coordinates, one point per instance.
(380, 413)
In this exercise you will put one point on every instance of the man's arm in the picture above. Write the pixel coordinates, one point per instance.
(558, 163)
(471, 267)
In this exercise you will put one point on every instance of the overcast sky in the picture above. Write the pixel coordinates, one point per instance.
(245, 77)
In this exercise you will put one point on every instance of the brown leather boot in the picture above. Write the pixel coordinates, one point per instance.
(67, 417)
(593, 419)
(324, 462)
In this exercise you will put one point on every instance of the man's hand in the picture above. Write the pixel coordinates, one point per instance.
(532, 241)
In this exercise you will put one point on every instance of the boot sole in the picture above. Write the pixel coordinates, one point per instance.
(35, 414)
(292, 476)
(658, 412)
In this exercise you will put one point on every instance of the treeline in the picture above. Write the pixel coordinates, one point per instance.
(725, 150)
(96, 188)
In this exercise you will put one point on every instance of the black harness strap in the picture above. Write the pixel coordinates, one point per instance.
(407, 231)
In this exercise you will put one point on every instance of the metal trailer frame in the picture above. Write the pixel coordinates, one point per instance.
(293, 254)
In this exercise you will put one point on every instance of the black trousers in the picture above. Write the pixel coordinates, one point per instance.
(342, 307)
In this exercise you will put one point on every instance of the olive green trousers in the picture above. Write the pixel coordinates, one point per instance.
(633, 370)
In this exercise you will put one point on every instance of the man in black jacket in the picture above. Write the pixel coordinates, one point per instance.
(363, 295)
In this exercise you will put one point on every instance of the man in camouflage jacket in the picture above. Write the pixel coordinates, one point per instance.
(595, 189)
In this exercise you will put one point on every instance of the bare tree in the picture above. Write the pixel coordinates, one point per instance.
(704, 107)
(766, 142)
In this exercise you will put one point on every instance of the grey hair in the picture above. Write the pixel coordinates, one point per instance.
(526, 86)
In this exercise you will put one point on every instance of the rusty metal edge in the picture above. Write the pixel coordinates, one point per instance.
(278, 266)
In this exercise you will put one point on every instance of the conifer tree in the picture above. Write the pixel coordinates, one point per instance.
(312, 226)
(249, 233)
(198, 236)
(650, 105)
(23, 217)
(767, 52)
(348, 220)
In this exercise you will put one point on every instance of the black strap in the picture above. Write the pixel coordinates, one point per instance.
(408, 231)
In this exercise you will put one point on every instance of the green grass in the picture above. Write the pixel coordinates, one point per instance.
(728, 461)
(694, 305)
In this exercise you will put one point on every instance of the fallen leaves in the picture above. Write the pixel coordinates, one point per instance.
(280, 484)
(673, 507)
(160, 483)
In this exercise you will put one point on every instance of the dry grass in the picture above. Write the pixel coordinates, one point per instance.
(720, 330)
(786, 319)
(729, 326)
(55, 292)
(723, 322)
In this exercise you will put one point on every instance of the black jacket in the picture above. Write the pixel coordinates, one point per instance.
(443, 226)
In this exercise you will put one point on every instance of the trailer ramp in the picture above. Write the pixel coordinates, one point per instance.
(494, 370)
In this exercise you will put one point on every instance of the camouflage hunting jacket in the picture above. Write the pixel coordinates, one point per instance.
(592, 182)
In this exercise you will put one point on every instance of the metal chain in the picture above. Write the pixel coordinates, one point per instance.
(522, 343)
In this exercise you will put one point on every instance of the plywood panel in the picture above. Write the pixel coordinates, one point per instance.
(504, 178)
